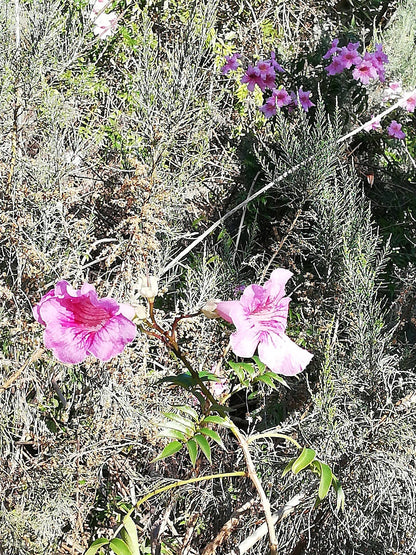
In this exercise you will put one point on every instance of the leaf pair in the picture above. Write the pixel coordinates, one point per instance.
(307, 459)
(128, 545)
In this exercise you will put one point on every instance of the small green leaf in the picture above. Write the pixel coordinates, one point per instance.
(204, 445)
(277, 378)
(189, 411)
(181, 419)
(267, 380)
(288, 467)
(171, 433)
(96, 545)
(220, 420)
(119, 547)
(304, 460)
(340, 493)
(193, 451)
(177, 426)
(261, 366)
(129, 535)
(170, 449)
(213, 435)
(326, 480)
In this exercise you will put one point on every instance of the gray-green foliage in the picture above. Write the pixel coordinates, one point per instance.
(358, 421)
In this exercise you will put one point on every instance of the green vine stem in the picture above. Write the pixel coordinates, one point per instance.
(176, 484)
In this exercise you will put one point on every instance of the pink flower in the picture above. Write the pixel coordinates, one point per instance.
(333, 50)
(336, 66)
(231, 63)
(269, 108)
(260, 318)
(252, 78)
(395, 130)
(376, 63)
(274, 62)
(282, 97)
(364, 72)
(98, 7)
(105, 25)
(353, 45)
(410, 103)
(373, 124)
(79, 324)
(304, 99)
(349, 57)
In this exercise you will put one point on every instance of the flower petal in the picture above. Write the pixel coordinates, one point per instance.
(244, 343)
(282, 355)
(111, 339)
(224, 308)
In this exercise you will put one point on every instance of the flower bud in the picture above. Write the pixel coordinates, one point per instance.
(147, 286)
(210, 309)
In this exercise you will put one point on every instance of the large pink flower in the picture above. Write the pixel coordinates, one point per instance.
(260, 318)
(79, 324)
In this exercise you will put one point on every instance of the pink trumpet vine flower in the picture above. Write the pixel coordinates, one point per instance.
(260, 318)
(78, 323)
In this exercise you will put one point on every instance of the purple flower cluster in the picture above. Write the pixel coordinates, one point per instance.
(263, 74)
(368, 67)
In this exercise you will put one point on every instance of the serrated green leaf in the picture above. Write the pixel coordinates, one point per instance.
(340, 493)
(261, 366)
(129, 535)
(119, 547)
(213, 435)
(171, 433)
(96, 546)
(326, 480)
(220, 420)
(288, 467)
(204, 445)
(304, 460)
(193, 451)
(170, 449)
(188, 410)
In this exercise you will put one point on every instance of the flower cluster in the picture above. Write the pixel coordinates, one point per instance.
(263, 74)
(78, 323)
(368, 67)
(105, 24)
(260, 318)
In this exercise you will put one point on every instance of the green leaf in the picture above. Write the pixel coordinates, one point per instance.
(267, 380)
(340, 493)
(304, 460)
(213, 435)
(119, 547)
(204, 445)
(193, 451)
(181, 419)
(288, 467)
(96, 545)
(326, 480)
(220, 420)
(177, 426)
(238, 370)
(170, 449)
(189, 411)
(277, 378)
(183, 380)
(129, 535)
(261, 366)
(171, 433)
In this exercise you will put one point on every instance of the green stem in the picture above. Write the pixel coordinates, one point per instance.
(175, 485)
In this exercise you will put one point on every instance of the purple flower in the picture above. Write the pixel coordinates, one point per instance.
(274, 62)
(364, 72)
(252, 78)
(260, 318)
(336, 66)
(333, 50)
(353, 45)
(282, 97)
(79, 324)
(370, 57)
(269, 108)
(349, 57)
(395, 130)
(304, 99)
(231, 63)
